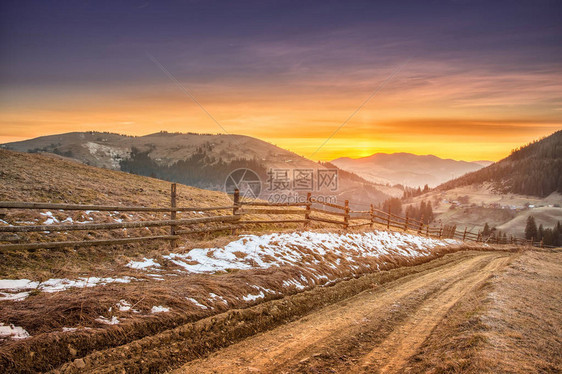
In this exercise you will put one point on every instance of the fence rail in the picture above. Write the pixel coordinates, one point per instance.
(314, 210)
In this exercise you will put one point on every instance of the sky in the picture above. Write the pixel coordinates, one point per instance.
(461, 79)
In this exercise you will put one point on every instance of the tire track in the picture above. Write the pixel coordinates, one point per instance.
(375, 331)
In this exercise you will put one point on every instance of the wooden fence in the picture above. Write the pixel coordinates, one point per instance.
(312, 210)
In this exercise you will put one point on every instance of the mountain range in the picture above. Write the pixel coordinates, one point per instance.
(202, 160)
(408, 169)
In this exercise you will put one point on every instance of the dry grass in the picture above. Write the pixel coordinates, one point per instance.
(512, 324)
(163, 346)
(48, 178)
(31, 177)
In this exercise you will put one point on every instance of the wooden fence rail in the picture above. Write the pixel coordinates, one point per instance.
(314, 210)
(119, 225)
(101, 208)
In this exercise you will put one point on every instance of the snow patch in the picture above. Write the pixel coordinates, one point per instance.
(112, 154)
(251, 297)
(51, 285)
(19, 296)
(12, 332)
(123, 305)
(113, 321)
(197, 303)
(145, 263)
(159, 309)
(51, 219)
(293, 248)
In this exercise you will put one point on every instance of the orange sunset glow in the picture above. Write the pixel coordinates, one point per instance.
(472, 96)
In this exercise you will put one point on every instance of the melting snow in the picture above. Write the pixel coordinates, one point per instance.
(112, 154)
(251, 297)
(214, 296)
(293, 282)
(124, 306)
(12, 332)
(197, 303)
(51, 285)
(335, 250)
(159, 309)
(13, 296)
(113, 321)
(51, 218)
(145, 263)
(292, 248)
(17, 284)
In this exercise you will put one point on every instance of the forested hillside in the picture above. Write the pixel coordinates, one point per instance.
(200, 169)
(535, 169)
(199, 160)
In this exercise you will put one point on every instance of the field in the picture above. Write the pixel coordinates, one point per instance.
(339, 300)
(467, 312)
(506, 212)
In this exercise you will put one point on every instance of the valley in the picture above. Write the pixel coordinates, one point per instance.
(286, 187)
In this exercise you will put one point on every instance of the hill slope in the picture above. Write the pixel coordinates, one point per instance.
(535, 169)
(200, 160)
(407, 169)
(68, 303)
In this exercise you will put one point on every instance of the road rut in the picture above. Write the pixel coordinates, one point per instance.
(374, 331)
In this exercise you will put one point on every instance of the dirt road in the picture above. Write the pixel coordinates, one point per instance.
(375, 331)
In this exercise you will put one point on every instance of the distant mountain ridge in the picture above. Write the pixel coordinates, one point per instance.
(407, 169)
(534, 169)
(199, 160)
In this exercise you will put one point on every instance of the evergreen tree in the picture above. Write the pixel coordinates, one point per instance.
(486, 231)
(535, 169)
(395, 206)
(531, 228)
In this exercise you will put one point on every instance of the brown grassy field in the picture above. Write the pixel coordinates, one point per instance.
(511, 324)
(47, 317)
(484, 205)
(47, 178)
(465, 313)
(50, 178)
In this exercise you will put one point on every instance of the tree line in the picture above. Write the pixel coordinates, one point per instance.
(423, 210)
(535, 169)
(548, 236)
(199, 170)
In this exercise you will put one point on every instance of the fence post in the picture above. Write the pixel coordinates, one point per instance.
(236, 202)
(307, 214)
(346, 217)
(532, 241)
(427, 231)
(440, 231)
(420, 229)
(173, 212)
(542, 244)
(236, 207)
(406, 223)
(464, 234)
(388, 218)
(372, 212)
